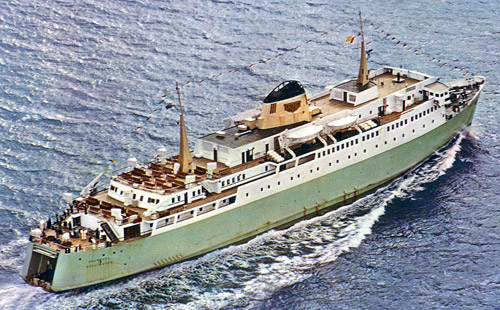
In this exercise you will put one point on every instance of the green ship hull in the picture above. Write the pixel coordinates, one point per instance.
(74, 270)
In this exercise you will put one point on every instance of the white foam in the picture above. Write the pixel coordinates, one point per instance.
(19, 297)
(10, 253)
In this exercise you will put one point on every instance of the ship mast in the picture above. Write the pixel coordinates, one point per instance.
(363, 67)
(185, 158)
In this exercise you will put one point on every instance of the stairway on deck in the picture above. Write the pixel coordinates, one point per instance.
(109, 232)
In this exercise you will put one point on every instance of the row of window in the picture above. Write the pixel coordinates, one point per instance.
(154, 200)
(346, 145)
(201, 210)
(233, 180)
(179, 197)
(365, 137)
(413, 118)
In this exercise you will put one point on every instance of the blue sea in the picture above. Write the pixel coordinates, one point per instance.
(82, 85)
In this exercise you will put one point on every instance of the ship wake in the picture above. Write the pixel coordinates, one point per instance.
(243, 276)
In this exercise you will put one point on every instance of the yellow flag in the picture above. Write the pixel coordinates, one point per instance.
(350, 38)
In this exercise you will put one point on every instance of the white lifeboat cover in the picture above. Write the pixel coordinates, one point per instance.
(344, 122)
(304, 134)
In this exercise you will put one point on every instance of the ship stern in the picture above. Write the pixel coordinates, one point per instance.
(39, 266)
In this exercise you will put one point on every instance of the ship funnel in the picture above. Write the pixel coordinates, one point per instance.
(286, 104)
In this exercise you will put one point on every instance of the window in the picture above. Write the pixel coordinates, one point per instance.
(142, 197)
(376, 146)
(223, 183)
(273, 108)
(134, 195)
(363, 138)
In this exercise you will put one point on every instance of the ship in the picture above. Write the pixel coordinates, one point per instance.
(294, 157)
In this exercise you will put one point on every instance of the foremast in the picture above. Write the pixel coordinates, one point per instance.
(363, 66)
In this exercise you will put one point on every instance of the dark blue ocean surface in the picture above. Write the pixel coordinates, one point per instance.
(81, 84)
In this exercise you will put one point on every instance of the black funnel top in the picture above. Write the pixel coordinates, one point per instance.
(285, 90)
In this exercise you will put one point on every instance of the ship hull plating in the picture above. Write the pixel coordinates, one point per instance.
(73, 270)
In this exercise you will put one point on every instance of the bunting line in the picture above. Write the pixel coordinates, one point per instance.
(350, 39)
(417, 51)
(235, 70)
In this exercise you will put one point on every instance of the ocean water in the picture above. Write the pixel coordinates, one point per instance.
(81, 86)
